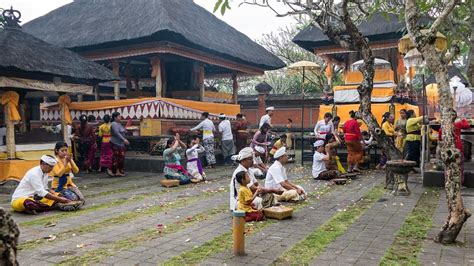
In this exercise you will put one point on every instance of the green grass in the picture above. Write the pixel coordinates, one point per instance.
(223, 242)
(58, 216)
(96, 255)
(307, 249)
(407, 244)
(120, 219)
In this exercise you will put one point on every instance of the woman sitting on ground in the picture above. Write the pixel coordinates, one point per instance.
(194, 165)
(246, 197)
(63, 172)
(173, 168)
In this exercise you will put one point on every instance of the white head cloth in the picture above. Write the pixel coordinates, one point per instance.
(222, 116)
(271, 108)
(318, 143)
(260, 149)
(49, 160)
(280, 152)
(243, 154)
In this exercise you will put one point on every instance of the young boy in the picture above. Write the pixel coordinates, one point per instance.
(246, 198)
(319, 163)
(278, 144)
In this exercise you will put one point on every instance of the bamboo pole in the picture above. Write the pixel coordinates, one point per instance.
(10, 136)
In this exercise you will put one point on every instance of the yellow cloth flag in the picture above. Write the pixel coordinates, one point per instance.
(10, 99)
(64, 103)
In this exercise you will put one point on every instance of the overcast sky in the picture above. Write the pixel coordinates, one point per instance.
(250, 20)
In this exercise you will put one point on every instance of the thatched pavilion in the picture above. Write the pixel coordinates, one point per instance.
(30, 64)
(160, 48)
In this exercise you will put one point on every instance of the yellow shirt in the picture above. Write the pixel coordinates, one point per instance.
(245, 199)
(60, 169)
(414, 124)
(388, 128)
(278, 144)
(104, 132)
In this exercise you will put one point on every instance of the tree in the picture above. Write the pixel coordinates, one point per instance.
(450, 156)
(336, 21)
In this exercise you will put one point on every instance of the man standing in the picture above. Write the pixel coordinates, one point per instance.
(267, 118)
(266, 197)
(241, 133)
(32, 194)
(277, 179)
(227, 140)
(207, 138)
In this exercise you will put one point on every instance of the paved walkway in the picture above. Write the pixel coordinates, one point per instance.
(140, 204)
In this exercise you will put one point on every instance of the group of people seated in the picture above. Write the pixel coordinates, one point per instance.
(248, 195)
(33, 195)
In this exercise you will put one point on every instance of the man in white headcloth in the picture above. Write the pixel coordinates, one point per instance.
(319, 163)
(32, 194)
(266, 197)
(227, 140)
(259, 167)
(277, 179)
(267, 118)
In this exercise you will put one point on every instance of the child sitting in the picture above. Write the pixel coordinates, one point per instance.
(278, 144)
(194, 165)
(319, 163)
(245, 198)
(63, 172)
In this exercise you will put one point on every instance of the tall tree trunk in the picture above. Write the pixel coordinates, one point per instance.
(450, 155)
(9, 239)
(470, 62)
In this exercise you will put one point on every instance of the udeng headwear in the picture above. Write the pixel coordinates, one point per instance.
(50, 160)
(318, 143)
(260, 149)
(243, 154)
(222, 116)
(280, 152)
(271, 108)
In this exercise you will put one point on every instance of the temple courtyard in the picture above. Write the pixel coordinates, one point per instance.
(136, 221)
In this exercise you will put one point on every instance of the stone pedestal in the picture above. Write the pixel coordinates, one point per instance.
(397, 170)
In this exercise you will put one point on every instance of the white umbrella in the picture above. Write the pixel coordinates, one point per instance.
(378, 63)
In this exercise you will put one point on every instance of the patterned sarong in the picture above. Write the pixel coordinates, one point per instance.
(354, 152)
(208, 145)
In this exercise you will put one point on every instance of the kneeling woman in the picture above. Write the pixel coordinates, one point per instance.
(63, 172)
(173, 168)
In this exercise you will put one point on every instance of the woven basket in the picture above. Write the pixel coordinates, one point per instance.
(169, 182)
(278, 212)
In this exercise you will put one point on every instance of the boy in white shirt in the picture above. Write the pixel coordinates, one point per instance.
(319, 163)
(227, 139)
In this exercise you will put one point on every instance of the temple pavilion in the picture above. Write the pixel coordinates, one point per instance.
(159, 48)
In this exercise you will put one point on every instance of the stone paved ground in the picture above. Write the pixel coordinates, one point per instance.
(363, 243)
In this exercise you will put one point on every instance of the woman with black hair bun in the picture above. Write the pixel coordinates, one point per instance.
(85, 137)
(105, 149)
(353, 137)
(118, 143)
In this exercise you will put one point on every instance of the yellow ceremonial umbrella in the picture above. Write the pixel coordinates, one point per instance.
(297, 67)
(405, 44)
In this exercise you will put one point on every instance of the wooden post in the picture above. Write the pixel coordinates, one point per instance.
(116, 70)
(96, 92)
(10, 137)
(80, 98)
(200, 81)
(128, 77)
(23, 125)
(64, 125)
(235, 88)
(238, 228)
(156, 73)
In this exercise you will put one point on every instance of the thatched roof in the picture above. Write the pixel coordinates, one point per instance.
(377, 29)
(85, 25)
(23, 55)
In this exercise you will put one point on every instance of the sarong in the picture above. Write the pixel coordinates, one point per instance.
(241, 139)
(208, 145)
(228, 148)
(413, 151)
(83, 147)
(354, 152)
(254, 216)
(177, 172)
(105, 155)
(32, 204)
(199, 165)
(268, 200)
(118, 158)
